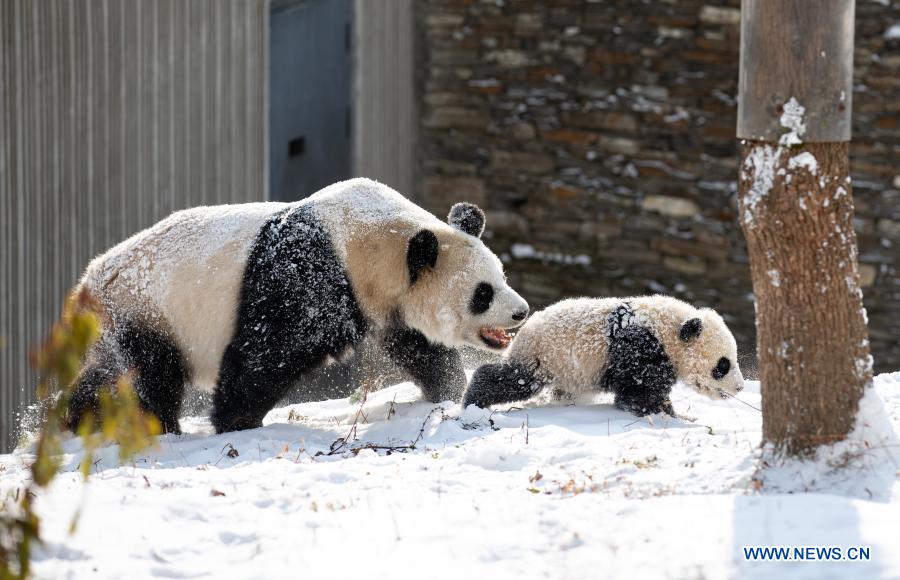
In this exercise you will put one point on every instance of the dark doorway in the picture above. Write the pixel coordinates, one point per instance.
(309, 96)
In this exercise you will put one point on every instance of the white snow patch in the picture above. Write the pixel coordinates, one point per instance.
(792, 119)
(863, 465)
(679, 115)
(484, 83)
(526, 491)
(893, 33)
(774, 277)
(759, 169)
(864, 365)
(528, 252)
(806, 160)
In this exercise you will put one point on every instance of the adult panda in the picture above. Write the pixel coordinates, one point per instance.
(635, 348)
(242, 300)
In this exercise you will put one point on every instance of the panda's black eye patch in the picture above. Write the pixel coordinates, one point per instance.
(481, 299)
(722, 368)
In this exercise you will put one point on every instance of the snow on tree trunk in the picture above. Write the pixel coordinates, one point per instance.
(796, 211)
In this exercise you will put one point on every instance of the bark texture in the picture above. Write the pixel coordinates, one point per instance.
(796, 210)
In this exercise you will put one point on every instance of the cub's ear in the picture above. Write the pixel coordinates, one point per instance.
(690, 329)
(467, 217)
(421, 253)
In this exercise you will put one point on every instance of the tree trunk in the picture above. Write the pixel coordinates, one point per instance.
(796, 210)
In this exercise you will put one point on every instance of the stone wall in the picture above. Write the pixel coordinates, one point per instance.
(600, 138)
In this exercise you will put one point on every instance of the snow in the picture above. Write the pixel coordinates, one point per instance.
(759, 168)
(872, 449)
(805, 160)
(792, 120)
(528, 252)
(565, 491)
(893, 33)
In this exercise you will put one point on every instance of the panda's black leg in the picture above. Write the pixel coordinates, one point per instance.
(101, 370)
(243, 396)
(639, 372)
(503, 382)
(159, 369)
(436, 369)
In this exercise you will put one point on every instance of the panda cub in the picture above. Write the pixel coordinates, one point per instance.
(243, 300)
(635, 348)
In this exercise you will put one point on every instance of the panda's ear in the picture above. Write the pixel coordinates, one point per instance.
(690, 329)
(421, 253)
(467, 217)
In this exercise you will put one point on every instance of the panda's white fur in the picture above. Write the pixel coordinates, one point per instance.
(567, 346)
(182, 278)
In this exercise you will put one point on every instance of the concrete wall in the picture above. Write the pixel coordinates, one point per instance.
(385, 112)
(600, 137)
(113, 114)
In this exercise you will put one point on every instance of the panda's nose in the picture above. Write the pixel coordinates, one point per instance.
(520, 315)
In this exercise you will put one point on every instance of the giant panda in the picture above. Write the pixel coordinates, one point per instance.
(243, 300)
(635, 348)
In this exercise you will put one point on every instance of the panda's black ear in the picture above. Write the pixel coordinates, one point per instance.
(421, 253)
(690, 329)
(467, 217)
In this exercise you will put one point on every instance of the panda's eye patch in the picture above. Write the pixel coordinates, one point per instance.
(481, 299)
(722, 368)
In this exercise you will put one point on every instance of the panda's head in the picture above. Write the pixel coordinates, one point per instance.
(707, 355)
(457, 289)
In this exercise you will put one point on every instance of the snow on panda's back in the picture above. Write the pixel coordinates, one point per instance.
(144, 272)
(183, 275)
(360, 208)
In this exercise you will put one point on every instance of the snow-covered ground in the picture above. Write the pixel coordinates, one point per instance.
(558, 491)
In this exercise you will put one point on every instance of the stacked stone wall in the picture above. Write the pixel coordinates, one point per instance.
(600, 138)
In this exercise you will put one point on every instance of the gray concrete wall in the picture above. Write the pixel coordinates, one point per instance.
(385, 120)
(113, 114)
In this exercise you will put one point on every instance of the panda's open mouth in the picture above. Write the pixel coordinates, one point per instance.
(495, 337)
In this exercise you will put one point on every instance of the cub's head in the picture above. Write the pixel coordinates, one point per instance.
(458, 292)
(707, 355)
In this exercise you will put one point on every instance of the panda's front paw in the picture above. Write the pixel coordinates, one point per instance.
(470, 397)
(667, 408)
(641, 407)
